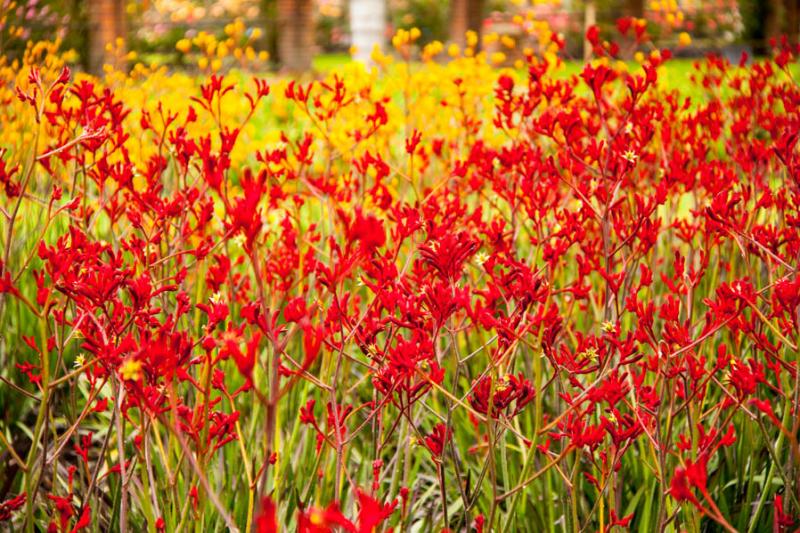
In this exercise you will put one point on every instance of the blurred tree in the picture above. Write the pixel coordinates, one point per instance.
(294, 33)
(772, 18)
(589, 20)
(792, 19)
(77, 28)
(431, 17)
(331, 27)
(769, 19)
(634, 8)
(465, 15)
(269, 16)
(107, 27)
(23, 21)
(367, 26)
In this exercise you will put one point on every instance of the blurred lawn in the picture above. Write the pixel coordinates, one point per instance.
(675, 73)
(329, 62)
(677, 70)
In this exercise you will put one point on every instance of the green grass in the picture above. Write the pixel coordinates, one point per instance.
(329, 62)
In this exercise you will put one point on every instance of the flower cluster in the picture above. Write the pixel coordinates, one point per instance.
(420, 296)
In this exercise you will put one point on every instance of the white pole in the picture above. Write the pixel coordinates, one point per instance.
(367, 27)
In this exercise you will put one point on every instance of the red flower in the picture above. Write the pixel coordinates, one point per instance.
(371, 512)
(448, 254)
(8, 507)
(680, 488)
(367, 230)
(295, 310)
(317, 520)
(438, 439)
(266, 520)
(508, 397)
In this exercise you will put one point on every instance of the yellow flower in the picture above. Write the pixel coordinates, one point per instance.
(131, 370)
(630, 156)
(590, 353)
(378, 57)
(498, 58)
(431, 50)
(684, 39)
(183, 46)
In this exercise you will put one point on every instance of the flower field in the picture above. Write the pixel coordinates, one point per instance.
(433, 294)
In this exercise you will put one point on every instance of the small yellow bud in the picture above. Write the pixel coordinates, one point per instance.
(131, 370)
(498, 58)
(630, 156)
(508, 41)
(183, 46)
